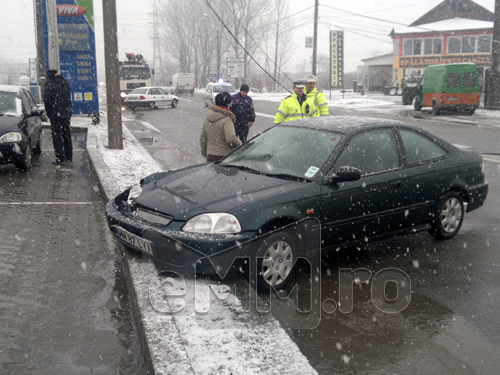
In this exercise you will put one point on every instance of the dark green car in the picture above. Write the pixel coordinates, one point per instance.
(310, 183)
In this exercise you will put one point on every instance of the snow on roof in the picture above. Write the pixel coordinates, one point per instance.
(451, 24)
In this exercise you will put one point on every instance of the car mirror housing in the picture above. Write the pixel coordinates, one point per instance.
(36, 111)
(343, 174)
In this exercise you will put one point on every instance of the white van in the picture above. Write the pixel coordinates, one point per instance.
(183, 82)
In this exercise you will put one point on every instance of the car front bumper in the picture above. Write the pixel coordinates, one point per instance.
(175, 249)
(13, 152)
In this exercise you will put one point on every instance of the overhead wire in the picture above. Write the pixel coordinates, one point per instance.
(246, 51)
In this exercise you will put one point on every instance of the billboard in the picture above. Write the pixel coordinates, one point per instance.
(235, 68)
(77, 57)
(336, 58)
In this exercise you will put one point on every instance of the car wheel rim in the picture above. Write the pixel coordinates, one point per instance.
(451, 215)
(277, 263)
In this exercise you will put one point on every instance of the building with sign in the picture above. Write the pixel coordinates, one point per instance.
(455, 31)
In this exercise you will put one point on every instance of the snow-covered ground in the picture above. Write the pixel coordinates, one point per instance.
(177, 344)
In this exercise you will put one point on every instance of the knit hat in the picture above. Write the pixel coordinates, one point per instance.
(245, 87)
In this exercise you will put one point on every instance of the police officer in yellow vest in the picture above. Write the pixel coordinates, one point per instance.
(317, 96)
(296, 106)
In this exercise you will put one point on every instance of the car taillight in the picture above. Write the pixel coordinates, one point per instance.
(143, 97)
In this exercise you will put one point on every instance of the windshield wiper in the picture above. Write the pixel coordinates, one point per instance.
(286, 176)
(241, 168)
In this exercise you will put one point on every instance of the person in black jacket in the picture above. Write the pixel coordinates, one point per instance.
(244, 111)
(58, 106)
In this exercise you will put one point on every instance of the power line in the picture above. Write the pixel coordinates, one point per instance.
(244, 49)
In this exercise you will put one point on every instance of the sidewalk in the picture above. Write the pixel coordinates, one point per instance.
(174, 344)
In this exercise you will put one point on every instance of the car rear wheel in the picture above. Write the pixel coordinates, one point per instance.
(174, 103)
(435, 109)
(152, 105)
(38, 147)
(416, 104)
(275, 258)
(449, 216)
(25, 163)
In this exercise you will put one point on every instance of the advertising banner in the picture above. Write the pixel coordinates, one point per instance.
(77, 56)
(336, 58)
(235, 68)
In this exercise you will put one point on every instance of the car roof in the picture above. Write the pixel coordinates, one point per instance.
(344, 124)
(11, 88)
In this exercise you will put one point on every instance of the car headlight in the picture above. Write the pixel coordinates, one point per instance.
(11, 137)
(213, 223)
(123, 95)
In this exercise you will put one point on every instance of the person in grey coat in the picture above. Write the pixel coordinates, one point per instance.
(217, 136)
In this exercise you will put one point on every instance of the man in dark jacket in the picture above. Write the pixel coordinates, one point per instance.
(58, 106)
(244, 111)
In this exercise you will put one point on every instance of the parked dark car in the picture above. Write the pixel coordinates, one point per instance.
(358, 179)
(20, 126)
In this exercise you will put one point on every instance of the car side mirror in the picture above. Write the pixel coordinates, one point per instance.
(344, 174)
(36, 111)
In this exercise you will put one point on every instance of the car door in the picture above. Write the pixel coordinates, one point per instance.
(165, 98)
(30, 124)
(154, 96)
(425, 175)
(36, 120)
(356, 210)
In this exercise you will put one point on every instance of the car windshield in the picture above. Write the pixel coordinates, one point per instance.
(134, 72)
(221, 88)
(10, 104)
(139, 91)
(286, 151)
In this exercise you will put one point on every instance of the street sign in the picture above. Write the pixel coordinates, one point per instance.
(336, 58)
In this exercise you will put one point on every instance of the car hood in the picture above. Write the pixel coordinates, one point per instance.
(208, 188)
(9, 124)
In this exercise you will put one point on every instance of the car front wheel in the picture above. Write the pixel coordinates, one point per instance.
(449, 216)
(174, 103)
(25, 163)
(275, 258)
(38, 147)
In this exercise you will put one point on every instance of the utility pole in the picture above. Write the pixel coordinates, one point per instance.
(493, 84)
(40, 48)
(276, 52)
(113, 97)
(53, 42)
(219, 73)
(315, 39)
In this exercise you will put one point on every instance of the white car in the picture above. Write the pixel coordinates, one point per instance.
(213, 88)
(150, 97)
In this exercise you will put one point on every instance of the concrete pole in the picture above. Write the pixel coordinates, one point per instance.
(315, 39)
(53, 43)
(113, 98)
(40, 48)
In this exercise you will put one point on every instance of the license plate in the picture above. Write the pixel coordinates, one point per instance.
(133, 240)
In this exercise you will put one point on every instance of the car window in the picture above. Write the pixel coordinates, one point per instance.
(470, 80)
(154, 92)
(25, 102)
(139, 91)
(370, 152)
(162, 92)
(31, 101)
(453, 80)
(420, 149)
(10, 104)
(287, 150)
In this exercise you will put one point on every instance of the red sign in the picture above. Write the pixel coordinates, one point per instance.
(70, 10)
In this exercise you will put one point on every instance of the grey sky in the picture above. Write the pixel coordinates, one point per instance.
(366, 37)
